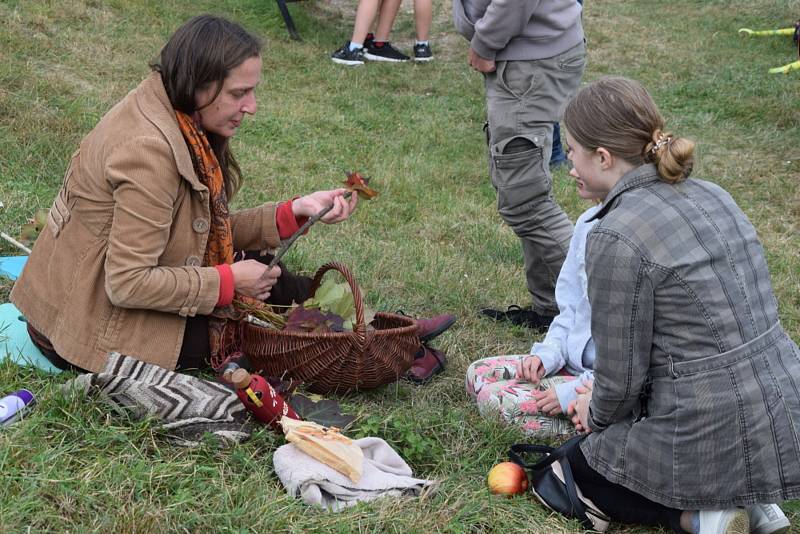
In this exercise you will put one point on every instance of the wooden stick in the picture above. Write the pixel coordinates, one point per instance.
(288, 243)
(15, 242)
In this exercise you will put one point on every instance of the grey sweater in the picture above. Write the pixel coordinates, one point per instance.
(519, 29)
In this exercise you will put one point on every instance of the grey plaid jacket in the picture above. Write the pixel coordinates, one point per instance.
(695, 402)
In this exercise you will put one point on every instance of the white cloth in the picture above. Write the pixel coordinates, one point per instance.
(385, 474)
(568, 343)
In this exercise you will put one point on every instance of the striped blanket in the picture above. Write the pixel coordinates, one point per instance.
(187, 406)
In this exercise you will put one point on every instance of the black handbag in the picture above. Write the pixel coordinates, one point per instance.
(551, 481)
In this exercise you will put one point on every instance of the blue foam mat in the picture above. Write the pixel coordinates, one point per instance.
(11, 266)
(16, 344)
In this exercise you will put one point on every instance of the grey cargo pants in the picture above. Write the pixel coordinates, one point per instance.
(523, 99)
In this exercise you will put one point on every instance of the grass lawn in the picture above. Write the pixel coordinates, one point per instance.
(431, 242)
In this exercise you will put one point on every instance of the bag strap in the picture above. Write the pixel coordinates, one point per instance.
(515, 454)
(578, 508)
(551, 455)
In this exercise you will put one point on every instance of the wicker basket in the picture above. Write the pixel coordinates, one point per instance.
(336, 361)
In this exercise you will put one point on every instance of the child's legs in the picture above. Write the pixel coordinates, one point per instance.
(514, 401)
(491, 370)
(514, 398)
(526, 414)
(389, 9)
(423, 15)
(365, 14)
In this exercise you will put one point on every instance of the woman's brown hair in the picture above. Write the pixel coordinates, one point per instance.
(202, 53)
(619, 115)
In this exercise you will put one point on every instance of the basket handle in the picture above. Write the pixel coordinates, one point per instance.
(360, 329)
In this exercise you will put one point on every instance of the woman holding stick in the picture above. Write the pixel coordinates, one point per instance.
(139, 248)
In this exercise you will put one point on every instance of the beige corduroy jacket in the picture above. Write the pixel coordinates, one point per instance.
(119, 265)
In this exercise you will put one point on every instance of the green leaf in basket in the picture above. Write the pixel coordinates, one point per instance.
(344, 307)
(325, 294)
(335, 298)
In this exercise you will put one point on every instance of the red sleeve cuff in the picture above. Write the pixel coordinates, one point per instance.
(285, 220)
(225, 284)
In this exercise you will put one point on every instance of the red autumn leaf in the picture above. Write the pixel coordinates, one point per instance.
(356, 182)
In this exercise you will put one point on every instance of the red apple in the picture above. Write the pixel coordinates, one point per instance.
(507, 478)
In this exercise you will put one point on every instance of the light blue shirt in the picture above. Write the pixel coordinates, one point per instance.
(568, 343)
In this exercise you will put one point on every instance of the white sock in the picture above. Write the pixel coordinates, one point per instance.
(356, 46)
(422, 42)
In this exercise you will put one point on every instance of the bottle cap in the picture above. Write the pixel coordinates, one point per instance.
(240, 378)
(26, 396)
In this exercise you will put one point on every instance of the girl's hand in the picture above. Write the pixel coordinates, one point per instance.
(310, 205)
(530, 368)
(579, 410)
(586, 387)
(254, 279)
(547, 401)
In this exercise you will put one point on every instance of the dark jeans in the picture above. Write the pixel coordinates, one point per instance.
(620, 503)
(195, 350)
(558, 156)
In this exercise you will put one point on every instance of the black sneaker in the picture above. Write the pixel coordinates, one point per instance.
(384, 52)
(422, 52)
(345, 56)
(520, 316)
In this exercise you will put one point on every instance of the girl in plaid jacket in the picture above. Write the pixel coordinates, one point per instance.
(693, 421)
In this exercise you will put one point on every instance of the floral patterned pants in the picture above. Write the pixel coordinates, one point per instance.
(493, 384)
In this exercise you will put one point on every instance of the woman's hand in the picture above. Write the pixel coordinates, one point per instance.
(254, 279)
(547, 401)
(530, 369)
(310, 205)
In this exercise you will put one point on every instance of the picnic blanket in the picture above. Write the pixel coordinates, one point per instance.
(385, 474)
(188, 406)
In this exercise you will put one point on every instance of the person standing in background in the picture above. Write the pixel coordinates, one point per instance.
(376, 46)
(532, 55)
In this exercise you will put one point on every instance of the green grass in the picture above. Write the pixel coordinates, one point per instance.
(430, 243)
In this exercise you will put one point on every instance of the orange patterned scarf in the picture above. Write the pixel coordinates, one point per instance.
(220, 236)
(219, 249)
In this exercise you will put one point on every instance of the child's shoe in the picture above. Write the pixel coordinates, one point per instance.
(384, 51)
(422, 52)
(345, 56)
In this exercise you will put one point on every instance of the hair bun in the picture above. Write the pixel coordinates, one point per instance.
(674, 157)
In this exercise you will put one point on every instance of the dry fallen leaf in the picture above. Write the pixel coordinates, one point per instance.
(30, 231)
(356, 182)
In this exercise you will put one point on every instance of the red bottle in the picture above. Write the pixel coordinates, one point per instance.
(260, 399)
